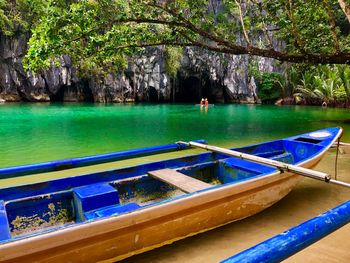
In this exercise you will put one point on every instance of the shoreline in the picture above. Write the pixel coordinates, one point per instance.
(346, 106)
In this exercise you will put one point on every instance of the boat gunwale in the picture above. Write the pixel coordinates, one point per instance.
(165, 160)
(87, 230)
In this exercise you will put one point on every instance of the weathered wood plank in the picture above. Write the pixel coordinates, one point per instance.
(185, 183)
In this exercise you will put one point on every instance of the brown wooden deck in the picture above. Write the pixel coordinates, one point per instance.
(185, 183)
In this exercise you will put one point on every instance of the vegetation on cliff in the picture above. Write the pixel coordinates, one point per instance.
(328, 85)
(101, 33)
(21, 15)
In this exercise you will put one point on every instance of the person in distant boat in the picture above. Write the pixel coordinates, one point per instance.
(206, 102)
(202, 102)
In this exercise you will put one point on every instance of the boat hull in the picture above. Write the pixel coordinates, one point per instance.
(129, 234)
(245, 188)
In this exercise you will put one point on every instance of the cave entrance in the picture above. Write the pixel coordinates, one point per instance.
(58, 96)
(152, 94)
(74, 93)
(193, 89)
(190, 90)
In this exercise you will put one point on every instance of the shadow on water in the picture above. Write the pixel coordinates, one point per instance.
(344, 121)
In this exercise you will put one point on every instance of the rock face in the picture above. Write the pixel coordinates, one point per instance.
(220, 78)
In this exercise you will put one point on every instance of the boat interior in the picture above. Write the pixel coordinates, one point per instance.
(30, 209)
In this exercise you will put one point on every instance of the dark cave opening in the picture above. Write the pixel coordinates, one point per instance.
(88, 95)
(74, 93)
(193, 89)
(58, 96)
(152, 94)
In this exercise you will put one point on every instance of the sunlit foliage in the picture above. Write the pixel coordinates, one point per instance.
(99, 34)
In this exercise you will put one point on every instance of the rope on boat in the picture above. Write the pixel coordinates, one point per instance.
(336, 160)
(344, 147)
(273, 163)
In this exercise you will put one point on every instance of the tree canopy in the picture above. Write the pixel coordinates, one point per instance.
(100, 34)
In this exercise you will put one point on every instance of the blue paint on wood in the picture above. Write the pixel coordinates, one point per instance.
(4, 225)
(91, 197)
(63, 184)
(89, 160)
(116, 210)
(286, 157)
(295, 239)
(42, 208)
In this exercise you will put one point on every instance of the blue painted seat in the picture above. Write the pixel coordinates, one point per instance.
(112, 210)
(4, 224)
(285, 157)
(234, 169)
(92, 197)
(248, 166)
(269, 154)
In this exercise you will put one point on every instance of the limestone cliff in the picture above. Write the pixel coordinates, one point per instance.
(220, 78)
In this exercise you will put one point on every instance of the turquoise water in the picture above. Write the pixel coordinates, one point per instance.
(33, 133)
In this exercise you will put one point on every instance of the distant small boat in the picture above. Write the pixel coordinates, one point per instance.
(115, 214)
(2, 101)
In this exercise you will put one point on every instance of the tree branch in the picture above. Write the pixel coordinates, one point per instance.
(264, 27)
(332, 23)
(242, 22)
(148, 21)
(298, 42)
(219, 40)
(346, 8)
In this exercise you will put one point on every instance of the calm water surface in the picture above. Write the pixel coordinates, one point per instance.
(33, 133)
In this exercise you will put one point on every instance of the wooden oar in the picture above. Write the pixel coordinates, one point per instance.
(280, 165)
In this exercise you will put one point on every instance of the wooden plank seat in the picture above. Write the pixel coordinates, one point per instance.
(185, 183)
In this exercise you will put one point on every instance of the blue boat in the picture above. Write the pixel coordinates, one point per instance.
(286, 244)
(118, 213)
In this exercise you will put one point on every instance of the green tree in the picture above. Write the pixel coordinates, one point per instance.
(21, 15)
(98, 34)
(324, 83)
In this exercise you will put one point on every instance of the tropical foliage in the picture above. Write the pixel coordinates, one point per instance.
(269, 84)
(173, 59)
(324, 84)
(269, 89)
(99, 34)
(21, 14)
(317, 85)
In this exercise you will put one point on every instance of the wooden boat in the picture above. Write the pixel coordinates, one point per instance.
(115, 214)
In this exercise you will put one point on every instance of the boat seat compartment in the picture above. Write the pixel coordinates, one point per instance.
(92, 197)
(185, 183)
(301, 150)
(270, 154)
(248, 166)
(285, 157)
(234, 169)
(308, 140)
(4, 225)
(112, 210)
